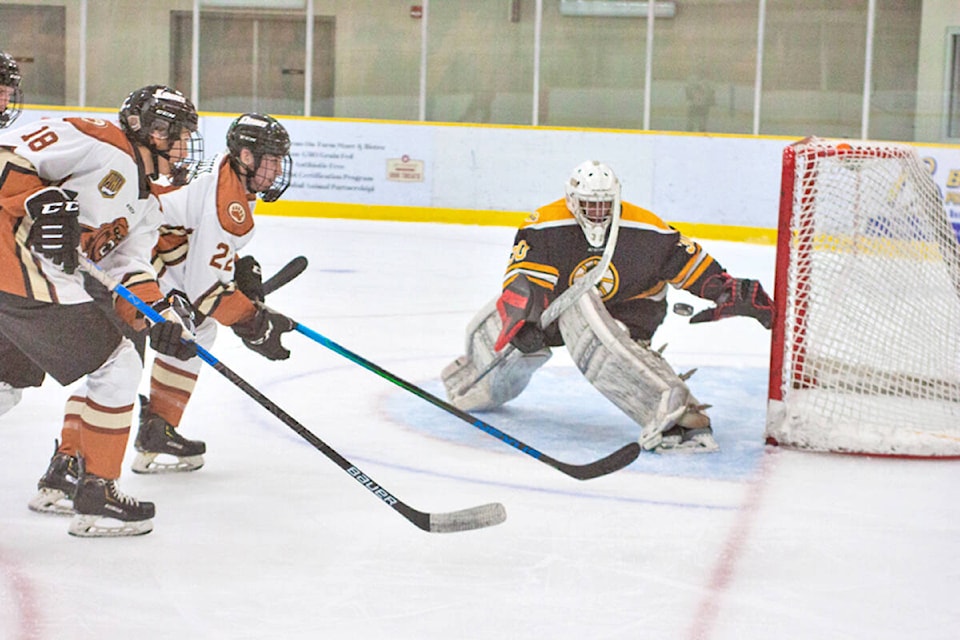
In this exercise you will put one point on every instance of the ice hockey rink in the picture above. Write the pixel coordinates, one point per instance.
(272, 540)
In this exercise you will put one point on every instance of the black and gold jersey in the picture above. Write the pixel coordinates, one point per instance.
(551, 251)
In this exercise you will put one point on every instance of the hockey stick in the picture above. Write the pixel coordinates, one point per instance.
(464, 520)
(286, 273)
(565, 299)
(613, 462)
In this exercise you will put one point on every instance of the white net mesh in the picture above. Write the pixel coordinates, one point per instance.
(870, 317)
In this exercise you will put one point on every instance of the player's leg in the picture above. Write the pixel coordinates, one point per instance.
(70, 342)
(161, 448)
(105, 419)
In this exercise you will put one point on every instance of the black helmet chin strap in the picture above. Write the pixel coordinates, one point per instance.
(154, 157)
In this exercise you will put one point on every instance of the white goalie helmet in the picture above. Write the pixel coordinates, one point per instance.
(593, 194)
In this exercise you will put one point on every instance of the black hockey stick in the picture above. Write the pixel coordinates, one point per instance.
(287, 273)
(464, 520)
(613, 462)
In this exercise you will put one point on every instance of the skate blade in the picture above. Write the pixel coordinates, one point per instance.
(148, 463)
(52, 501)
(92, 526)
(690, 447)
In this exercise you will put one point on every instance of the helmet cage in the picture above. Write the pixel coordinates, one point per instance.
(163, 112)
(10, 79)
(593, 197)
(262, 135)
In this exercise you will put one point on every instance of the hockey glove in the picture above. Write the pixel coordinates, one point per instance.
(735, 297)
(56, 226)
(530, 338)
(174, 336)
(520, 306)
(262, 332)
(249, 278)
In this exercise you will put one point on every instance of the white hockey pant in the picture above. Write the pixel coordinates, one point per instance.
(505, 381)
(113, 385)
(632, 376)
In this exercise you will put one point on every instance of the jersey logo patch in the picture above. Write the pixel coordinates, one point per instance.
(237, 212)
(111, 184)
(609, 283)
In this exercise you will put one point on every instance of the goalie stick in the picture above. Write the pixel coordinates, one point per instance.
(463, 520)
(286, 273)
(565, 299)
(613, 462)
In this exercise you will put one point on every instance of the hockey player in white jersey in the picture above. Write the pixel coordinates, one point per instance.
(205, 225)
(10, 106)
(11, 98)
(85, 183)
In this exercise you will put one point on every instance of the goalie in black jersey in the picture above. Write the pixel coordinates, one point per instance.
(607, 327)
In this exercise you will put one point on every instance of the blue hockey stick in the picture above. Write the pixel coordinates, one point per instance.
(474, 518)
(613, 462)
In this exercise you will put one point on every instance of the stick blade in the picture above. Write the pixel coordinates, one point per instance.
(613, 462)
(486, 515)
(286, 273)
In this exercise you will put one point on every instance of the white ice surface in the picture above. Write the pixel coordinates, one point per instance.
(271, 540)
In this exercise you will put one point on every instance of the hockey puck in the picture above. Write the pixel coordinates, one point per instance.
(683, 309)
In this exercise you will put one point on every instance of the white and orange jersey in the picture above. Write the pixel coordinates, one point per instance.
(205, 224)
(118, 214)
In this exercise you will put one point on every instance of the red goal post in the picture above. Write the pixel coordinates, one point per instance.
(865, 348)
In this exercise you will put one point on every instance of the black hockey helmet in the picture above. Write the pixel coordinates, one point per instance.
(262, 135)
(159, 109)
(10, 77)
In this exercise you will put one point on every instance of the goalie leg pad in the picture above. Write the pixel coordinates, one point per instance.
(507, 380)
(633, 377)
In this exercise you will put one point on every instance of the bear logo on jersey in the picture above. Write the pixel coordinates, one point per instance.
(609, 283)
(237, 212)
(111, 184)
(101, 241)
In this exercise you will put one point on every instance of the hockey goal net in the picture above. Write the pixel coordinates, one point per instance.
(865, 353)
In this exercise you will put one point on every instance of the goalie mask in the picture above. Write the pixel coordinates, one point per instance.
(267, 166)
(593, 194)
(11, 98)
(157, 111)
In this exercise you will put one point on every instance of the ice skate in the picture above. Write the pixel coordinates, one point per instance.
(103, 512)
(156, 437)
(691, 434)
(56, 488)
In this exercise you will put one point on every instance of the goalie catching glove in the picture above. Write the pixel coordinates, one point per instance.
(174, 337)
(262, 332)
(56, 226)
(520, 306)
(735, 297)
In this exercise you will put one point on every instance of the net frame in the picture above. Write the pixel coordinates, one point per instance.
(865, 348)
